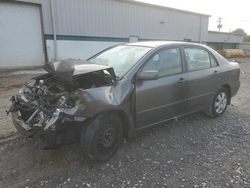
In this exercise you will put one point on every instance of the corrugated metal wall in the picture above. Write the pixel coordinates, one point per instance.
(113, 18)
(223, 37)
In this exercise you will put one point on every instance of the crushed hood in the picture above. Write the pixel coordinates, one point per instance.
(69, 68)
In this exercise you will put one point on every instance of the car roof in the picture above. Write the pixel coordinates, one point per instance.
(159, 44)
(154, 44)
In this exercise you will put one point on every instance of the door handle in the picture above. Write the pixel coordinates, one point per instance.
(181, 80)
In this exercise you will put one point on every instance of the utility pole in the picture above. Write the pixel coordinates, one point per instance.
(219, 21)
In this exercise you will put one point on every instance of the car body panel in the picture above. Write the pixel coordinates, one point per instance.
(202, 85)
(110, 98)
(157, 100)
(143, 102)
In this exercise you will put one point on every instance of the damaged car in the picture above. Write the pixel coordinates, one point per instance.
(121, 90)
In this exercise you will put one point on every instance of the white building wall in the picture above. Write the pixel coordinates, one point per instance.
(116, 19)
(222, 37)
(121, 19)
(76, 49)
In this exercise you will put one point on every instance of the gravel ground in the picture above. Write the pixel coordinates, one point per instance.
(10, 83)
(195, 151)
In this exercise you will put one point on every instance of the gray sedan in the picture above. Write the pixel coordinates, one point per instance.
(121, 90)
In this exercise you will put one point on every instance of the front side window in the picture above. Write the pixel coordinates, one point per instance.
(121, 58)
(166, 62)
(197, 59)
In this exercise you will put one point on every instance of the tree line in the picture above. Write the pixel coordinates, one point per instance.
(246, 37)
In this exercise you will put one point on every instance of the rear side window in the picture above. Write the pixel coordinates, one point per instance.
(214, 63)
(167, 62)
(197, 59)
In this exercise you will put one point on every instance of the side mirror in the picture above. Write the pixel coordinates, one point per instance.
(148, 75)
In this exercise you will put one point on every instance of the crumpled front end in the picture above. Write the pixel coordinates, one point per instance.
(26, 119)
(43, 107)
(59, 103)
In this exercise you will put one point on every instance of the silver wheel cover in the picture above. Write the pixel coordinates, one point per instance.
(220, 102)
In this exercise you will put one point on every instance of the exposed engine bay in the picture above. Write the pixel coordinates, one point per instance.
(52, 98)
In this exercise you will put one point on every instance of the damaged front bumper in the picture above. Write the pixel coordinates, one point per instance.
(58, 117)
(61, 127)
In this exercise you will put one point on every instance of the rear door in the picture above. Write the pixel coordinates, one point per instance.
(203, 72)
(166, 97)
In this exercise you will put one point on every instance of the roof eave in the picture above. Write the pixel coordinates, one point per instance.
(163, 7)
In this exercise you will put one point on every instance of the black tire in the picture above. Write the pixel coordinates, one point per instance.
(215, 110)
(102, 137)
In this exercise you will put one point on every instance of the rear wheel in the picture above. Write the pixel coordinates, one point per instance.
(102, 137)
(219, 104)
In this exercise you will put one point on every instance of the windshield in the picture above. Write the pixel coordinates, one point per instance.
(121, 58)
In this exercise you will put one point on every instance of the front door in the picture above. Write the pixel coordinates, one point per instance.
(166, 97)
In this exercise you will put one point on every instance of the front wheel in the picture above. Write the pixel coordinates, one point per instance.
(102, 137)
(219, 104)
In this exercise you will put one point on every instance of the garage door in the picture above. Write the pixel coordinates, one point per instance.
(20, 35)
